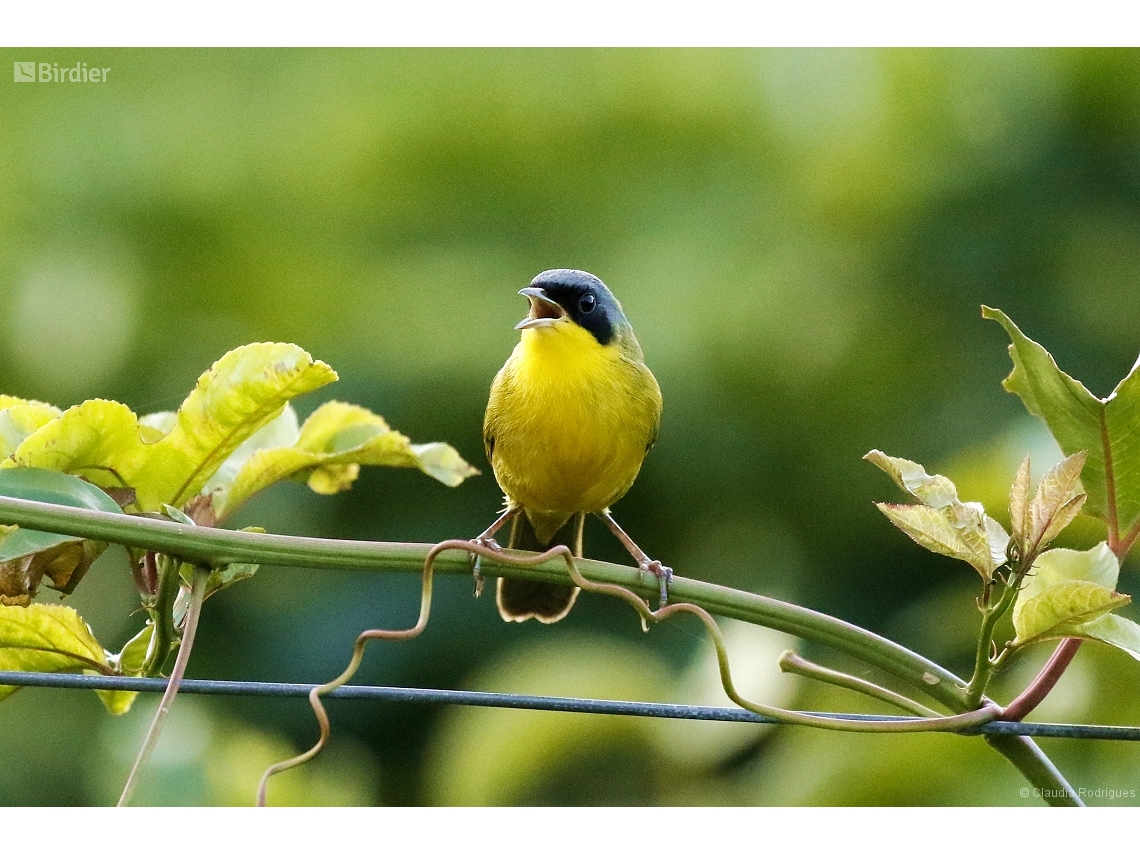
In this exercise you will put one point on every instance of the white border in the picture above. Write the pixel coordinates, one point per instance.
(564, 831)
(567, 23)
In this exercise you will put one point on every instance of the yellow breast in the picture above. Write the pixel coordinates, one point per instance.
(568, 422)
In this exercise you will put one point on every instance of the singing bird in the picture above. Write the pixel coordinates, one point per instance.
(571, 416)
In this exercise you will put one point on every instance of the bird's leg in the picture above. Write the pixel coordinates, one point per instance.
(487, 539)
(644, 563)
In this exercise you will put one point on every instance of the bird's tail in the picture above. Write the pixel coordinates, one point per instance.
(546, 602)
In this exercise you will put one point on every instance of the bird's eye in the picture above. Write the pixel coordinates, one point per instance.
(587, 303)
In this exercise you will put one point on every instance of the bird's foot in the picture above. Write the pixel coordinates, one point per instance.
(476, 561)
(487, 541)
(664, 577)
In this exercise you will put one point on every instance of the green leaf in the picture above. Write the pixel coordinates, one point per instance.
(223, 577)
(19, 419)
(169, 460)
(26, 556)
(46, 638)
(1104, 427)
(219, 578)
(129, 662)
(177, 515)
(1060, 609)
(327, 452)
(1117, 631)
(41, 485)
(132, 657)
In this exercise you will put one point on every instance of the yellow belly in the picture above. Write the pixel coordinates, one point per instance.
(570, 421)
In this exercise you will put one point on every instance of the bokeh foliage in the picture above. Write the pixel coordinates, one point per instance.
(802, 240)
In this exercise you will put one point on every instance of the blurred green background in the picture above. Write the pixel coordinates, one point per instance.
(802, 240)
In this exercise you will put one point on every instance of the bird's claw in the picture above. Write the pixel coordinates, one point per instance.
(476, 562)
(664, 577)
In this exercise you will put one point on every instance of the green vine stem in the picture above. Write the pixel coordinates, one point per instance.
(992, 613)
(216, 547)
(1037, 768)
(792, 663)
(194, 610)
(161, 615)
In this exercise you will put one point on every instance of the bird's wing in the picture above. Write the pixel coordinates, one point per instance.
(490, 418)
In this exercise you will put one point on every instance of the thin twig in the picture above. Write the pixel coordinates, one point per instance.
(792, 663)
(197, 596)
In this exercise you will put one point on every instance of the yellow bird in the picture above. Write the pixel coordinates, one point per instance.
(570, 418)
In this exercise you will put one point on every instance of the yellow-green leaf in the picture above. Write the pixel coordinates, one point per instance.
(154, 426)
(1019, 504)
(169, 459)
(19, 419)
(7, 401)
(943, 523)
(1066, 588)
(130, 663)
(1061, 609)
(279, 433)
(957, 531)
(328, 451)
(97, 439)
(46, 638)
(937, 491)
(1058, 500)
(442, 462)
(1096, 565)
(1117, 631)
(243, 391)
(117, 701)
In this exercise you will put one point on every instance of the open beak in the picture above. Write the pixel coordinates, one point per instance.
(543, 310)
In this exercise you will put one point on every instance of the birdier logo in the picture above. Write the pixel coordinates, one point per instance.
(53, 72)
